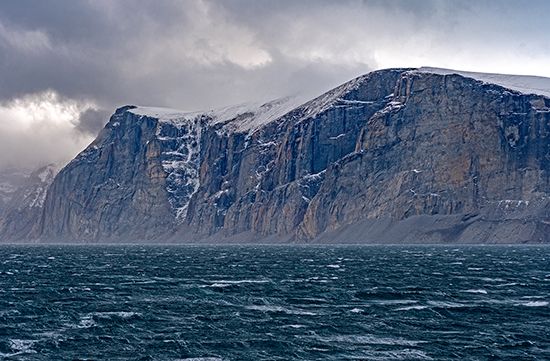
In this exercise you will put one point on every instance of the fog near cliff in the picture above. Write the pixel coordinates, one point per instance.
(65, 65)
(44, 128)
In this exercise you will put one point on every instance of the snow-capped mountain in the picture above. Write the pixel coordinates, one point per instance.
(396, 155)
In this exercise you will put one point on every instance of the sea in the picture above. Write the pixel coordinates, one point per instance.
(213, 303)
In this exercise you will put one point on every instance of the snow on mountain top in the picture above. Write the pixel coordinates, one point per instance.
(164, 113)
(250, 116)
(242, 117)
(527, 84)
(325, 101)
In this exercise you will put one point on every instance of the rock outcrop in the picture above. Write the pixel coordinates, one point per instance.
(397, 155)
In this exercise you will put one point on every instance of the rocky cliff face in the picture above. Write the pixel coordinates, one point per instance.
(398, 155)
(262, 183)
(452, 159)
(118, 187)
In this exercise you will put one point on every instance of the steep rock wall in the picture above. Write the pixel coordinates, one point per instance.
(113, 190)
(398, 155)
(445, 145)
(262, 182)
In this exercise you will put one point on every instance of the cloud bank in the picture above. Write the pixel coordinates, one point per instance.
(92, 56)
(41, 128)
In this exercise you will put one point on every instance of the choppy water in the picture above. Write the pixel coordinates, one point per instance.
(274, 303)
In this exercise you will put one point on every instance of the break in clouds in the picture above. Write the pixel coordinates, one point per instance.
(65, 65)
(42, 128)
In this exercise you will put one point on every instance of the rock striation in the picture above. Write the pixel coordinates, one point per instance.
(395, 156)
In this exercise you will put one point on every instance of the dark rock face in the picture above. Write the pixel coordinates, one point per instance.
(397, 155)
(113, 190)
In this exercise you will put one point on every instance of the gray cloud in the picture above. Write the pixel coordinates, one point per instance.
(42, 128)
(202, 54)
(90, 121)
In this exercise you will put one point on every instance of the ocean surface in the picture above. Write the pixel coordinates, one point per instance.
(274, 303)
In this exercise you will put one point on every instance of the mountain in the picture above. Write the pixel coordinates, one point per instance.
(23, 204)
(398, 155)
(10, 179)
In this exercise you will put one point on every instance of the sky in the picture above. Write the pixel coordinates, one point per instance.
(65, 65)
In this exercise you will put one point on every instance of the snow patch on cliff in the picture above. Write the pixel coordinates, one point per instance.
(179, 133)
(36, 196)
(180, 157)
(527, 84)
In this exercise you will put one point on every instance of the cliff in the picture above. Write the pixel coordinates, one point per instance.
(397, 155)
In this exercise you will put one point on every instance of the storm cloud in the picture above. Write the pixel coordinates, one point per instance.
(93, 56)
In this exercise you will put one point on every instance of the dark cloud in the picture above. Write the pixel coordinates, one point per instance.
(199, 54)
(175, 52)
(90, 121)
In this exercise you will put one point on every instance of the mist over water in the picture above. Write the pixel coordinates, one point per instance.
(274, 302)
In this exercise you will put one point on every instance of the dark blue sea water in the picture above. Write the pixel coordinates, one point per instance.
(274, 303)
